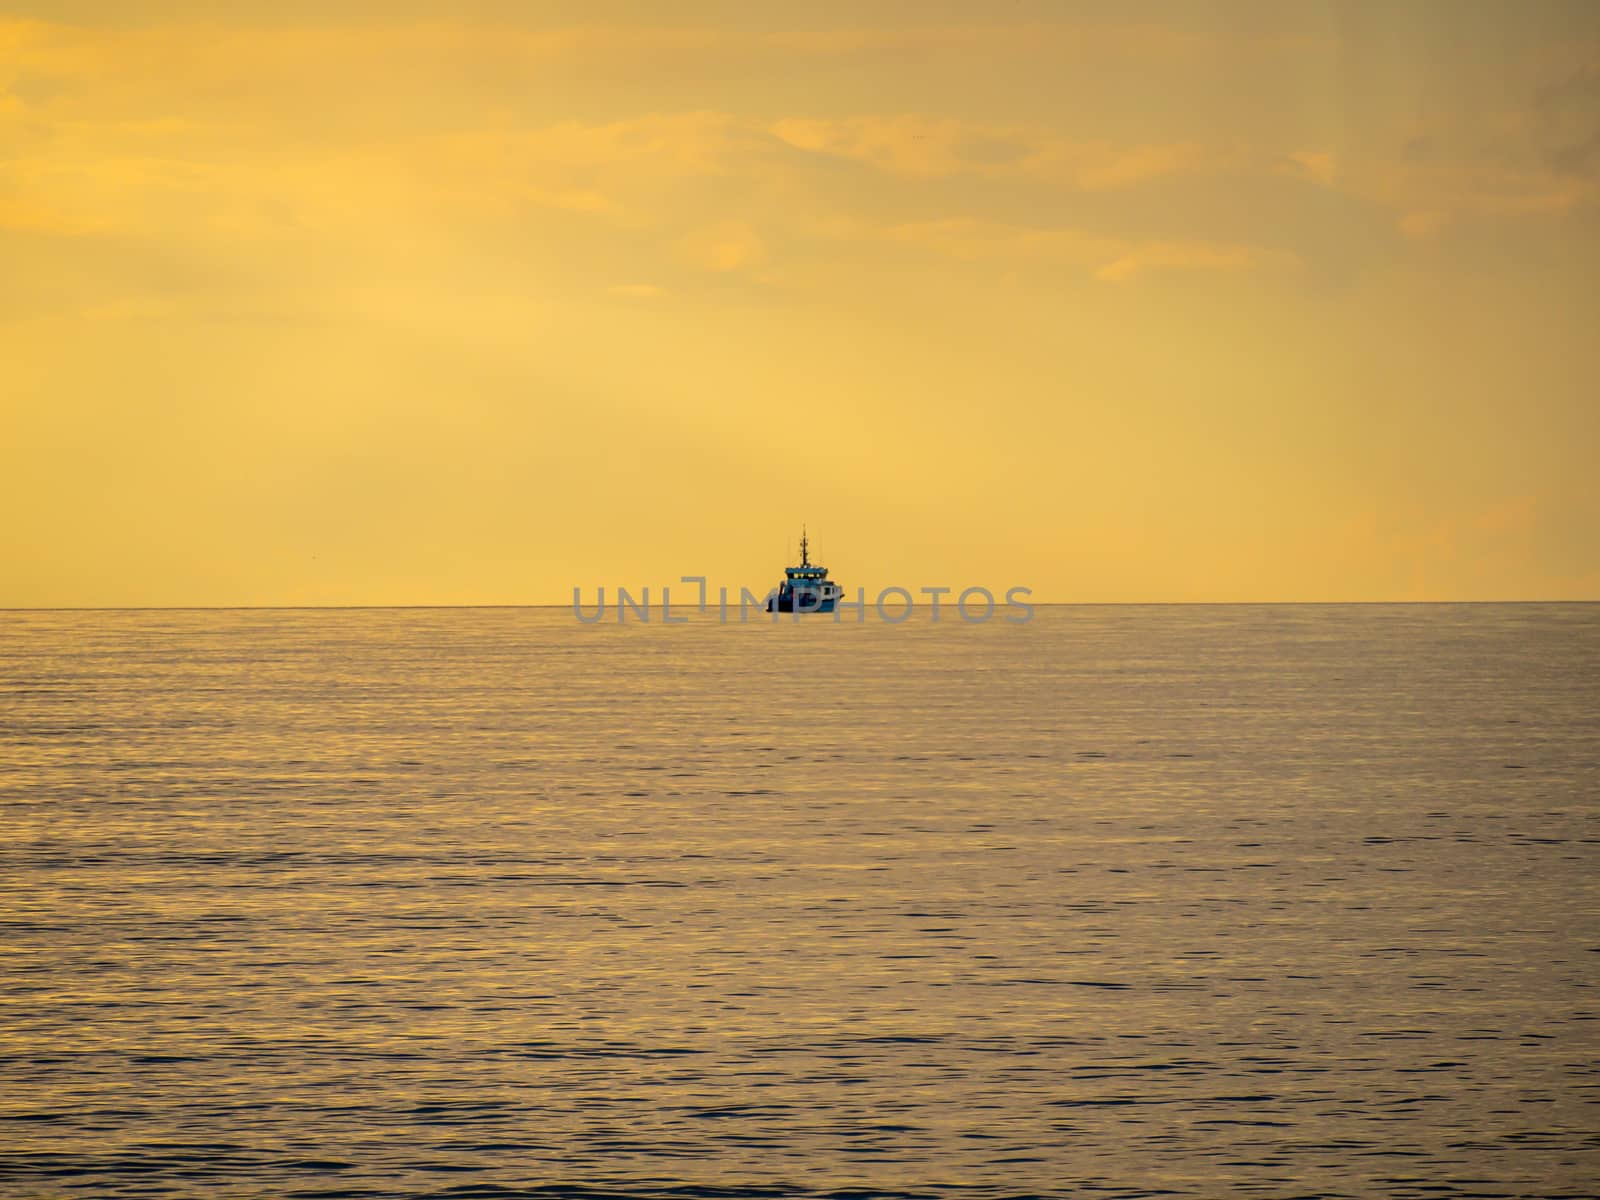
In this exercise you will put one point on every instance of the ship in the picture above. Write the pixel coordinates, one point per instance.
(805, 588)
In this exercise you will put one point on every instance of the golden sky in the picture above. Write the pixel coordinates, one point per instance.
(344, 303)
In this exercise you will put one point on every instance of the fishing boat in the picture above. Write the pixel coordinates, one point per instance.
(805, 588)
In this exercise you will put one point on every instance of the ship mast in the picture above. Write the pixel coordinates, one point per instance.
(805, 558)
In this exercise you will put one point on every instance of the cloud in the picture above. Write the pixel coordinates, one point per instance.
(1108, 259)
(1532, 153)
(911, 144)
(919, 145)
(80, 176)
(727, 246)
(1101, 167)
(424, 134)
(32, 217)
(1319, 166)
(1564, 122)
(1420, 226)
(695, 142)
(1428, 199)
(214, 49)
(975, 239)
(1192, 256)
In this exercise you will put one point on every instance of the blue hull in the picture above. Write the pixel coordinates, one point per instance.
(785, 605)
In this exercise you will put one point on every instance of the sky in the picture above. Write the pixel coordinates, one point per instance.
(475, 303)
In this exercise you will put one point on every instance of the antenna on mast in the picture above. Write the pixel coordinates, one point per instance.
(805, 555)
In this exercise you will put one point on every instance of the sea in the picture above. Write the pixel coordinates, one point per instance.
(1281, 901)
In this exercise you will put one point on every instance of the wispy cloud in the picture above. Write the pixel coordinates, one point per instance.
(922, 145)
(1109, 259)
(81, 49)
(723, 247)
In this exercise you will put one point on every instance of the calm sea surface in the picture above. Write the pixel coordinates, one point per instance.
(1192, 901)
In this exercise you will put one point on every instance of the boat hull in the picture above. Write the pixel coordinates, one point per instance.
(785, 604)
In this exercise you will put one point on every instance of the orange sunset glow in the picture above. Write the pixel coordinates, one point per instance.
(398, 303)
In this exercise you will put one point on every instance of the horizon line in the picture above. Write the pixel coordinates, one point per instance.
(25, 608)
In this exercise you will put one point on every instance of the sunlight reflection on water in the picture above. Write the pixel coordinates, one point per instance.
(1241, 900)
